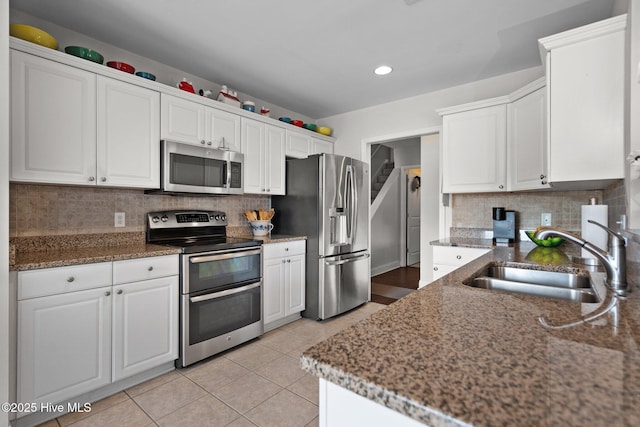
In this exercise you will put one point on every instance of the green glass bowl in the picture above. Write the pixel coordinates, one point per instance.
(549, 242)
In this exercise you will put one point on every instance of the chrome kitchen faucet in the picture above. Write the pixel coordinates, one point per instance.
(613, 260)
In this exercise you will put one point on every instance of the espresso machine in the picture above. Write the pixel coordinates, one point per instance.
(504, 225)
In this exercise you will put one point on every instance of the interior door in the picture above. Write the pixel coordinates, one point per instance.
(413, 216)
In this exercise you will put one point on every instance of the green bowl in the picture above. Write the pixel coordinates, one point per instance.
(84, 53)
(549, 242)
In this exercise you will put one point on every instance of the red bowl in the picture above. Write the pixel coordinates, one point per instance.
(122, 66)
(298, 123)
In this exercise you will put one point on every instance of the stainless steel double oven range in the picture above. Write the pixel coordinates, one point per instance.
(220, 281)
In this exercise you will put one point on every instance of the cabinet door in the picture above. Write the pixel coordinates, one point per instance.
(474, 150)
(53, 122)
(223, 129)
(274, 160)
(297, 145)
(253, 135)
(319, 146)
(586, 91)
(128, 135)
(526, 126)
(145, 325)
(295, 284)
(182, 120)
(273, 288)
(64, 345)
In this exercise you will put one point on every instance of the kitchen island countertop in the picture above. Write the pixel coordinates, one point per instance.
(449, 354)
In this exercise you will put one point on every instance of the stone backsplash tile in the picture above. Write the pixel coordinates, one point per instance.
(37, 210)
(474, 210)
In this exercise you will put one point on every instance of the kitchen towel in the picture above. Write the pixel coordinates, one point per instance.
(592, 233)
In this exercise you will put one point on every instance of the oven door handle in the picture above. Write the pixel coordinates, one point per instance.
(223, 255)
(224, 293)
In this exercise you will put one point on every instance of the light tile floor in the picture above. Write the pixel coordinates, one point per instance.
(259, 383)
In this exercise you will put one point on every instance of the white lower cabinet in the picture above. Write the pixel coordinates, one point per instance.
(449, 258)
(64, 345)
(145, 316)
(284, 282)
(78, 333)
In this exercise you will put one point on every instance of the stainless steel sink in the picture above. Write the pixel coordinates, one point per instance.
(547, 284)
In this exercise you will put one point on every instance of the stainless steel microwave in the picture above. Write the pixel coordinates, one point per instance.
(186, 168)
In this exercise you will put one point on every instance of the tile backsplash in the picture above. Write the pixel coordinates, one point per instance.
(474, 210)
(36, 210)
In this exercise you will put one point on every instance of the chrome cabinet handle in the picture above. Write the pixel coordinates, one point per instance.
(202, 142)
(209, 143)
(119, 292)
(501, 186)
(106, 294)
(435, 268)
(103, 179)
(150, 268)
(288, 260)
(92, 178)
(71, 279)
(458, 256)
(541, 176)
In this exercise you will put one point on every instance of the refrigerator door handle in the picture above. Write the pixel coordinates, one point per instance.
(348, 260)
(351, 203)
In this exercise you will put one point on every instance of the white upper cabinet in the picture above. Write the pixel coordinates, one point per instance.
(585, 81)
(526, 142)
(128, 135)
(69, 126)
(297, 144)
(195, 123)
(263, 147)
(53, 122)
(474, 150)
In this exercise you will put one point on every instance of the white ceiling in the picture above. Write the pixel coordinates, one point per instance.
(317, 57)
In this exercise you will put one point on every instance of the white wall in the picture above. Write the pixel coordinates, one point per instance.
(429, 203)
(385, 228)
(4, 208)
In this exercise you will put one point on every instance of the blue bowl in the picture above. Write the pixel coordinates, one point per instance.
(285, 119)
(146, 75)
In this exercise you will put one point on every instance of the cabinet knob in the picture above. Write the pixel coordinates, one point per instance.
(107, 293)
(119, 292)
(286, 249)
(268, 190)
(150, 268)
(288, 260)
(103, 179)
(209, 143)
(541, 176)
(263, 190)
(71, 279)
(435, 268)
(458, 256)
(501, 186)
(544, 182)
(202, 142)
(92, 178)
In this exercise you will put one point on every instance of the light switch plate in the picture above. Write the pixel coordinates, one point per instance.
(119, 219)
(545, 219)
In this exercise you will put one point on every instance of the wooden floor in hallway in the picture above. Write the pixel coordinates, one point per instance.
(391, 286)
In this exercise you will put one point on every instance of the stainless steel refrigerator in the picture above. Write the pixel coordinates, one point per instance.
(327, 202)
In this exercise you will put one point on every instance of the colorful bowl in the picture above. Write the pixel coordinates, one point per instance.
(324, 130)
(310, 126)
(33, 35)
(549, 242)
(84, 53)
(285, 119)
(122, 66)
(298, 123)
(145, 75)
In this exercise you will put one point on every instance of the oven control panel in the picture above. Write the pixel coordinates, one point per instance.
(181, 219)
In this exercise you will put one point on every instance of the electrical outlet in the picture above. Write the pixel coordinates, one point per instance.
(119, 219)
(545, 219)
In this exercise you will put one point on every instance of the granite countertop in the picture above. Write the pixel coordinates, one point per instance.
(449, 354)
(58, 251)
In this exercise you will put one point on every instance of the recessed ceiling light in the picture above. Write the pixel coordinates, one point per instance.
(383, 70)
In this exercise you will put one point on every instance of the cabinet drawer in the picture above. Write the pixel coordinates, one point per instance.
(60, 280)
(455, 255)
(277, 250)
(133, 270)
